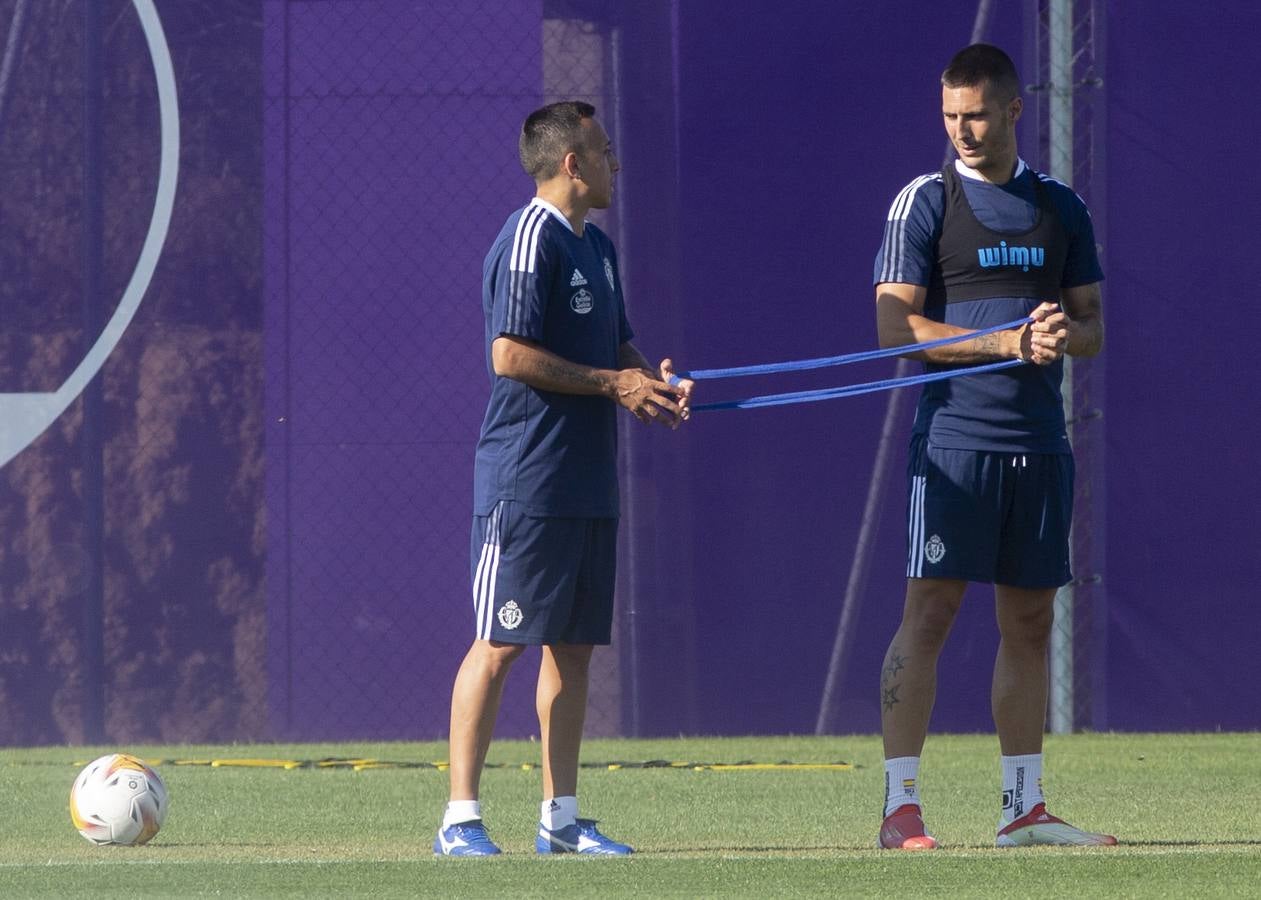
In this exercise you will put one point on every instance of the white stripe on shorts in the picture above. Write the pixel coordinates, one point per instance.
(915, 529)
(487, 570)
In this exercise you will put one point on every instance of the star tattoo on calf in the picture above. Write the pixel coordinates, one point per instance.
(895, 665)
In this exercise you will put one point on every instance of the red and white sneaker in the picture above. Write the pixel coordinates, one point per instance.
(903, 829)
(1038, 826)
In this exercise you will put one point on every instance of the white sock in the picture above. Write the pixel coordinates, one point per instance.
(558, 812)
(461, 811)
(1022, 785)
(901, 782)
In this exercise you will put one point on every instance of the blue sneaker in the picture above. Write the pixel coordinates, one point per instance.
(464, 839)
(581, 837)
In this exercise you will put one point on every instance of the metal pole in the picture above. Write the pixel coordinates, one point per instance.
(1060, 96)
(92, 439)
(631, 683)
(12, 46)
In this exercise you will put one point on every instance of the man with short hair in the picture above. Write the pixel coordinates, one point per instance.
(985, 241)
(559, 351)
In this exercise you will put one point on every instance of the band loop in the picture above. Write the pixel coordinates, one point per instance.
(849, 390)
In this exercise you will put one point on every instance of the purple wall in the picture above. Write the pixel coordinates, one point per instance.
(1182, 480)
(789, 161)
(132, 599)
(285, 432)
(761, 152)
(808, 192)
(390, 161)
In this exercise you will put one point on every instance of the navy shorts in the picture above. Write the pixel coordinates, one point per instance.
(1000, 518)
(543, 580)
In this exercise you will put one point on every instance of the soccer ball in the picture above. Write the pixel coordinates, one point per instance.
(117, 799)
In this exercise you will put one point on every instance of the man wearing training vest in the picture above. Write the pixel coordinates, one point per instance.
(985, 241)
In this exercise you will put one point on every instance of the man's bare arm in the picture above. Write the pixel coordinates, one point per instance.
(1084, 305)
(634, 388)
(900, 320)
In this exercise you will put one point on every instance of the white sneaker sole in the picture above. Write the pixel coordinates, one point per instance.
(1053, 835)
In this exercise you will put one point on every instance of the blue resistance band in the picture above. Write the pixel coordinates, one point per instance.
(848, 390)
(823, 362)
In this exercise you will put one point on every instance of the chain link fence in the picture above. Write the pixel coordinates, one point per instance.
(390, 132)
(131, 574)
(254, 524)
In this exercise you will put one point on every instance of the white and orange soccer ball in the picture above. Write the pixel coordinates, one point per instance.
(118, 799)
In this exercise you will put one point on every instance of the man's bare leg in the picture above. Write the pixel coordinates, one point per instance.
(475, 701)
(1019, 699)
(908, 681)
(561, 700)
(908, 687)
(1019, 691)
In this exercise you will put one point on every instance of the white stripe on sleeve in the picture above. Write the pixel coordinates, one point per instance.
(892, 267)
(522, 263)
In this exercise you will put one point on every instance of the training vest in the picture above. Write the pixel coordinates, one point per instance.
(975, 263)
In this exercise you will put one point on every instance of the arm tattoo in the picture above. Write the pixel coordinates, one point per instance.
(563, 372)
(989, 345)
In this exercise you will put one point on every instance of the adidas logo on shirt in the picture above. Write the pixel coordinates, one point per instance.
(577, 279)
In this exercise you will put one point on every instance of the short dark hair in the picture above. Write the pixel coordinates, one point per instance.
(549, 133)
(977, 64)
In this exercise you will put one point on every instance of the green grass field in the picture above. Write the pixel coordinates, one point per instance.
(1185, 808)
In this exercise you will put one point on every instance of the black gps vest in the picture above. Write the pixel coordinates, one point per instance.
(975, 263)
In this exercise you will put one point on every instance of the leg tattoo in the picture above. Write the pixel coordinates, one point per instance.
(895, 662)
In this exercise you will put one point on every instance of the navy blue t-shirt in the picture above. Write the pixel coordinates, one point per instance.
(1013, 410)
(555, 454)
